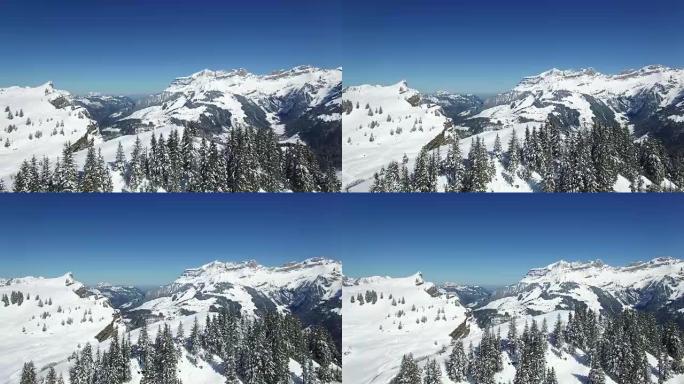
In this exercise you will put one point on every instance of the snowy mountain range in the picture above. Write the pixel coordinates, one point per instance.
(416, 317)
(301, 104)
(309, 289)
(654, 286)
(648, 101)
(59, 315)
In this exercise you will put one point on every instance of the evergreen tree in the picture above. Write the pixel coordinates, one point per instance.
(513, 155)
(28, 374)
(409, 372)
(453, 168)
(433, 373)
(458, 364)
(479, 170)
(51, 377)
(557, 335)
(596, 375)
(120, 162)
(551, 377)
(423, 180)
(498, 150)
(67, 180)
(90, 180)
(136, 171)
(194, 341)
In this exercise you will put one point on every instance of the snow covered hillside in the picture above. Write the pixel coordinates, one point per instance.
(45, 319)
(382, 123)
(39, 121)
(647, 103)
(655, 286)
(385, 318)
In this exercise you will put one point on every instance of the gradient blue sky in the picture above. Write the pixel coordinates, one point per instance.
(486, 46)
(140, 46)
(468, 238)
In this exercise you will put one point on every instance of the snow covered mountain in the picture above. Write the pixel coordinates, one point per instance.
(654, 286)
(403, 315)
(53, 317)
(647, 101)
(299, 103)
(39, 121)
(309, 289)
(383, 123)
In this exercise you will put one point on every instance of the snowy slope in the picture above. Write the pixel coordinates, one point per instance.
(22, 325)
(394, 107)
(53, 116)
(372, 341)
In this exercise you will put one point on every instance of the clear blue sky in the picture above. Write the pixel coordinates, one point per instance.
(485, 46)
(486, 239)
(139, 46)
(152, 239)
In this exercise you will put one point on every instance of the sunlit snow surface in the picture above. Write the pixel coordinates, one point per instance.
(37, 105)
(21, 326)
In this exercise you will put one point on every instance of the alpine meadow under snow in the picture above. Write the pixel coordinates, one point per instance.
(219, 323)
(563, 131)
(565, 323)
(211, 131)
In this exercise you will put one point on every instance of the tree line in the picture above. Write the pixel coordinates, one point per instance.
(249, 160)
(251, 351)
(613, 346)
(575, 161)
